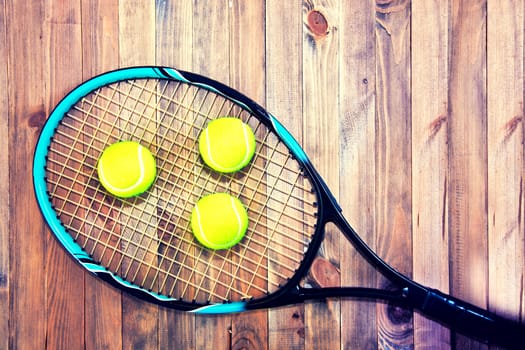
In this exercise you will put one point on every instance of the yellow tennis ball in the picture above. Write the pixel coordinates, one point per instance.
(126, 169)
(227, 144)
(219, 221)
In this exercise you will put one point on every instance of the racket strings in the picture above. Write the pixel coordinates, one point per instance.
(255, 167)
(187, 114)
(166, 112)
(143, 221)
(188, 211)
(181, 145)
(99, 242)
(217, 182)
(147, 240)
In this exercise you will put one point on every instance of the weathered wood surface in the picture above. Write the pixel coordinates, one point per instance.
(411, 111)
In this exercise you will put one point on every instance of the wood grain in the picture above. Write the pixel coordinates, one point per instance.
(284, 96)
(100, 36)
(249, 331)
(174, 43)
(393, 160)
(411, 110)
(4, 185)
(505, 137)
(65, 306)
(468, 155)
(357, 171)
(430, 20)
(26, 81)
(103, 311)
(320, 103)
(137, 47)
(212, 59)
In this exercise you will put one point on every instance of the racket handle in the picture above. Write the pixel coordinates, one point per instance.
(472, 320)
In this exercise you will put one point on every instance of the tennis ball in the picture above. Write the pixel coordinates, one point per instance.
(126, 169)
(219, 221)
(227, 144)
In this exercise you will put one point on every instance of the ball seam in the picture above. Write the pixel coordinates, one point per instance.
(239, 221)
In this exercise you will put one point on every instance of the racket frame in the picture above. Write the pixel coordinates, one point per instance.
(455, 313)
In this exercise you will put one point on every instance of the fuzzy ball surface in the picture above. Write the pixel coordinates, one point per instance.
(227, 144)
(126, 169)
(219, 221)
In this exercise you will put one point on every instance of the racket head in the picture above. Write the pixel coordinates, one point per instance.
(144, 245)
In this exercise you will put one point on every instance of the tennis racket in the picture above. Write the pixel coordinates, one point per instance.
(144, 245)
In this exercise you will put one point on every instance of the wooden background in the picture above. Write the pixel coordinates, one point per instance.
(412, 112)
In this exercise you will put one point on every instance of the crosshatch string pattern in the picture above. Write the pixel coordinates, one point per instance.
(147, 240)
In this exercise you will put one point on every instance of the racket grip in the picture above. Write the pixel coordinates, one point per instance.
(473, 321)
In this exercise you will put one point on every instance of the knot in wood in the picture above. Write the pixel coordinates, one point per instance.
(36, 119)
(398, 315)
(317, 23)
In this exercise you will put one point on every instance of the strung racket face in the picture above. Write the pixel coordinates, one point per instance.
(145, 244)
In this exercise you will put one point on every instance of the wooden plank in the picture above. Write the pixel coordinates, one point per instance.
(320, 85)
(283, 58)
(65, 279)
(103, 313)
(26, 116)
(136, 32)
(211, 57)
(100, 36)
(137, 47)
(468, 155)
(505, 134)
(357, 171)
(247, 45)
(4, 184)
(174, 48)
(429, 158)
(174, 34)
(393, 160)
